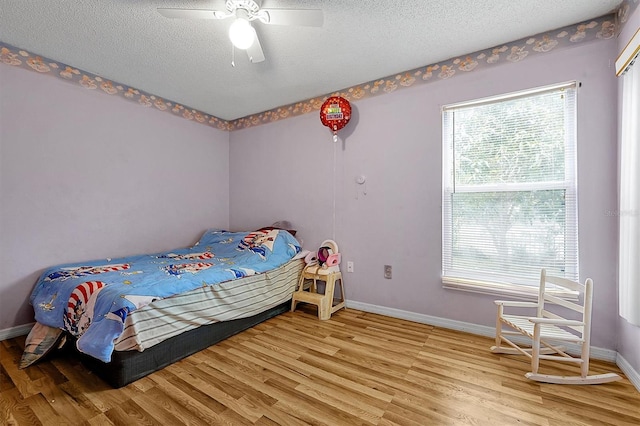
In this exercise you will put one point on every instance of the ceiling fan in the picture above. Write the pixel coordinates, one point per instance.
(242, 34)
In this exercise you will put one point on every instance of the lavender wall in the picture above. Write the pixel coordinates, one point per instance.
(85, 176)
(285, 170)
(629, 335)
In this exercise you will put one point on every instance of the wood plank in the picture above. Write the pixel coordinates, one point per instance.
(99, 420)
(368, 413)
(129, 413)
(355, 369)
(185, 397)
(350, 384)
(14, 410)
(160, 407)
(230, 402)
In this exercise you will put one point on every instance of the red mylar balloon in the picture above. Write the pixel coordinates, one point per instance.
(335, 113)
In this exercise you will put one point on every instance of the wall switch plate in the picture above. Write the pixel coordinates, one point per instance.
(349, 266)
(387, 271)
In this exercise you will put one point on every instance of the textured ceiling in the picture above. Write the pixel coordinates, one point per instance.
(189, 61)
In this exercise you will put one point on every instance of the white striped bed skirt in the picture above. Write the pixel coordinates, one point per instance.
(226, 301)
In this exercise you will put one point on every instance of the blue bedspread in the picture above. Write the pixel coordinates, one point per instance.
(91, 300)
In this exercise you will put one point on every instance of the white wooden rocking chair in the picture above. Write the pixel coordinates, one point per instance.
(546, 331)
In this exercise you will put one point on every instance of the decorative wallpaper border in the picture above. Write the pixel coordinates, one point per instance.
(14, 56)
(597, 29)
(626, 9)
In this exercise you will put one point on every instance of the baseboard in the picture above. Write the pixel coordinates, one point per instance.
(481, 330)
(20, 330)
(627, 369)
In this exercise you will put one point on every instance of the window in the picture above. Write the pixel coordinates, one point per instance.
(509, 191)
(629, 214)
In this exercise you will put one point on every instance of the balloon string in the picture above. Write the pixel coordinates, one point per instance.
(334, 187)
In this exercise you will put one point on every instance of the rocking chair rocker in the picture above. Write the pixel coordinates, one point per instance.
(546, 331)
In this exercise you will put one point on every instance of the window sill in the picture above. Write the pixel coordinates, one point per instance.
(522, 292)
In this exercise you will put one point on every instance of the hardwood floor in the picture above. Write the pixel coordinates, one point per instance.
(357, 368)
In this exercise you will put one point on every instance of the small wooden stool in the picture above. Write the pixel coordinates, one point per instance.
(324, 302)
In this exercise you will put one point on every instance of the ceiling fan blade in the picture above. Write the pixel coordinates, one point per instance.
(302, 17)
(192, 13)
(255, 52)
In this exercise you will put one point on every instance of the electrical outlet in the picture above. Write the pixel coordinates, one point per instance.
(387, 271)
(349, 266)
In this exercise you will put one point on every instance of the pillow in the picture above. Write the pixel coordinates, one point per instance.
(210, 236)
(269, 228)
(41, 340)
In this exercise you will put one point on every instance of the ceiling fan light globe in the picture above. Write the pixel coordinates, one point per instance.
(242, 34)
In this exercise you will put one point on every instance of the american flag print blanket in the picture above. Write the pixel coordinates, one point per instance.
(91, 300)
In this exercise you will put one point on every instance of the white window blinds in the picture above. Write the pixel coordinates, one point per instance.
(629, 266)
(509, 190)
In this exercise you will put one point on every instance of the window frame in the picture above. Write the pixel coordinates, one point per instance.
(486, 283)
(627, 67)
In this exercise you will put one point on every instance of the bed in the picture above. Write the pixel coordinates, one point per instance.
(131, 316)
